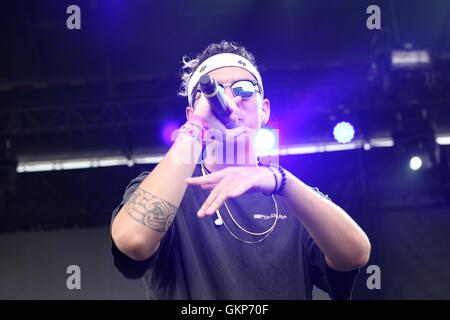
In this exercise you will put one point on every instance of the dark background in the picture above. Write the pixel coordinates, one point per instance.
(107, 90)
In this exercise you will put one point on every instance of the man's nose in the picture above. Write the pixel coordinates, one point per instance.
(229, 92)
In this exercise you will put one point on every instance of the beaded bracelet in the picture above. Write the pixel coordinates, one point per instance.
(283, 180)
(276, 181)
(283, 177)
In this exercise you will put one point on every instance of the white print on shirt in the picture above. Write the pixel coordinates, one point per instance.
(272, 216)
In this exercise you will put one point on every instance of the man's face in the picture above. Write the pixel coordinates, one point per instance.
(254, 110)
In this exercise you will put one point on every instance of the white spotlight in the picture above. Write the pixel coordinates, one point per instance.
(264, 141)
(410, 58)
(415, 163)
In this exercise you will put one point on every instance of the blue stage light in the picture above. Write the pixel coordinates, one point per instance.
(343, 132)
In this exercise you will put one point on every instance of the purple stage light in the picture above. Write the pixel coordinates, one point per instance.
(168, 130)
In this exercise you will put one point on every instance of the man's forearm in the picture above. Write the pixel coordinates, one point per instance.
(343, 242)
(145, 218)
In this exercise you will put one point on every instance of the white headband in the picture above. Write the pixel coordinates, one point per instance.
(218, 61)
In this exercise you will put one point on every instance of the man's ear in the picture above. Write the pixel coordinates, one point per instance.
(189, 112)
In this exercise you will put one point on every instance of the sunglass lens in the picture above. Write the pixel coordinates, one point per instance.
(245, 89)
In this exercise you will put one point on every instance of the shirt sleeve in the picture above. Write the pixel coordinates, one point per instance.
(129, 267)
(339, 285)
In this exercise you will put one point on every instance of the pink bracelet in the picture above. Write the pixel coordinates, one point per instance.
(197, 119)
(197, 130)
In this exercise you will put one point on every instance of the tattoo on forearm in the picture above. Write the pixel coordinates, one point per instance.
(150, 210)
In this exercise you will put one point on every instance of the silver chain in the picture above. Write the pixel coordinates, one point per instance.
(265, 234)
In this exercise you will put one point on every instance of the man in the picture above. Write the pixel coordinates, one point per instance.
(226, 229)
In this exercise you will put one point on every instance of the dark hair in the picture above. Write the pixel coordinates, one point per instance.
(191, 64)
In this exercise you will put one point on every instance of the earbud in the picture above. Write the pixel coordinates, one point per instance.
(218, 222)
(263, 119)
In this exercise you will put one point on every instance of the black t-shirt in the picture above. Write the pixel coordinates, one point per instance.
(198, 259)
